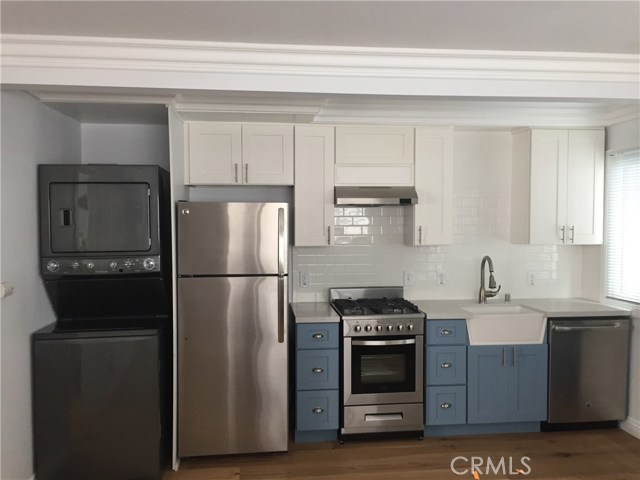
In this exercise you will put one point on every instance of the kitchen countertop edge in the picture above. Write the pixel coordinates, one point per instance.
(550, 307)
(314, 312)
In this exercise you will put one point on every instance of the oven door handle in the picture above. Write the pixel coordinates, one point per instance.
(380, 343)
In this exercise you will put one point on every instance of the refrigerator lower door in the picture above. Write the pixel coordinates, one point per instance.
(232, 365)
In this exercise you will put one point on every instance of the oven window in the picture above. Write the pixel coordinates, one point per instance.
(383, 368)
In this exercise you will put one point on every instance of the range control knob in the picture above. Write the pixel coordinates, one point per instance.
(113, 265)
(90, 265)
(410, 327)
(53, 266)
(149, 263)
(400, 328)
(128, 263)
(378, 328)
(367, 328)
(389, 327)
(75, 265)
(357, 328)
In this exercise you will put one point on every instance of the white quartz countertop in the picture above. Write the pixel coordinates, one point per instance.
(314, 312)
(551, 307)
(321, 312)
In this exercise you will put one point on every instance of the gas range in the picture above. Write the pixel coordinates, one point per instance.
(376, 311)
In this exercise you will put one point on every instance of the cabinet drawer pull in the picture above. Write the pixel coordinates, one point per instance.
(317, 370)
(246, 173)
(235, 168)
(562, 233)
(318, 336)
(317, 410)
(445, 331)
(445, 405)
(572, 230)
(420, 235)
(445, 365)
(329, 235)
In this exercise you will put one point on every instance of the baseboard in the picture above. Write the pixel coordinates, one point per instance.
(631, 426)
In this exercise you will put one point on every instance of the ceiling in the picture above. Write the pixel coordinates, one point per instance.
(566, 26)
(561, 26)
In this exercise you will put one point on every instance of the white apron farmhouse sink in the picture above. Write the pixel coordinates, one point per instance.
(504, 325)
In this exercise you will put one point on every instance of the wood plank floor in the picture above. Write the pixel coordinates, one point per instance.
(584, 455)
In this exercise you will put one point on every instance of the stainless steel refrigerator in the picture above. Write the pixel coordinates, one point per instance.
(232, 328)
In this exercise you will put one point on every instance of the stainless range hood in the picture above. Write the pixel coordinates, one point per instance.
(376, 195)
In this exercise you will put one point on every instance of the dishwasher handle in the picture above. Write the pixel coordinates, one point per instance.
(579, 328)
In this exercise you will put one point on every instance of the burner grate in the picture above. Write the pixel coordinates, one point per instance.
(380, 306)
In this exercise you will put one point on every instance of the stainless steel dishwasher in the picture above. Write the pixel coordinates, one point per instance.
(588, 366)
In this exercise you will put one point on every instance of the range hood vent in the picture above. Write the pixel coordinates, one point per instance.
(376, 196)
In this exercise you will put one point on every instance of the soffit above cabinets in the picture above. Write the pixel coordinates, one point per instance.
(135, 107)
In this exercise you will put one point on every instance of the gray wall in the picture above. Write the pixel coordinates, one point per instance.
(31, 134)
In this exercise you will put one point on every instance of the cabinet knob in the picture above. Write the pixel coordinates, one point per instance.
(317, 370)
(317, 410)
(445, 365)
(445, 332)
(445, 405)
(318, 336)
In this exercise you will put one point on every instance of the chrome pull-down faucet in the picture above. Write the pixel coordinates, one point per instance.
(484, 294)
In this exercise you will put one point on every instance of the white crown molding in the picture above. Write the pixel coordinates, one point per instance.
(188, 65)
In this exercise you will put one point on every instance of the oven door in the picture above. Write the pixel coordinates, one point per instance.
(383, 370)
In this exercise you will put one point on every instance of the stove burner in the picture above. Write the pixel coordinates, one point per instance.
(380, 306)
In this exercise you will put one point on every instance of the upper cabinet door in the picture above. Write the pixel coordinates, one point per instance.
(374, 156)
(313, 192)
(431, 221)
(374, 145)
(213, 153)
(267, 154)
(585, 187)
(548, 185)
(558, 187)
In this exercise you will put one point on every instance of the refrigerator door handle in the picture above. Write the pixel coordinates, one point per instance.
(281, 242)
(281, 286)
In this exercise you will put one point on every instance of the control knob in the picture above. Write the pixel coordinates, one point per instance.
(389, 327)
(90, 265)
(378, 328)
(357, 328)
(53, 266)
(75, 265)
(410, 327)
(400, 328)
(128, 263)
(367, 328)
(149, 263)
(113, 265)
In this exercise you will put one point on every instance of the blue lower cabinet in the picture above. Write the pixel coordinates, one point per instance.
(446, 405)
(507, 383)
(317, 369)
(317, 410)
(446, 365)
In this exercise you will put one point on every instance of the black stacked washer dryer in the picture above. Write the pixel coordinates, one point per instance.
(101, 370)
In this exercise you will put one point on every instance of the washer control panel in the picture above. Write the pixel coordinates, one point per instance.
(100, 266)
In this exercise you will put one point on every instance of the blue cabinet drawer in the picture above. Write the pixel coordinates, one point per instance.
(317, 410)
(317, 369)
(317, 335)
(446, 405)
(446, 332)
(446, 365)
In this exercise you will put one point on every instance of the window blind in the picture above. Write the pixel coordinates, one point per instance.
(623, 227)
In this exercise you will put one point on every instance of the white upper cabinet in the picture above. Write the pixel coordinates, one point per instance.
(430, 220)
(233, 154)
(313, 191)
(374, 156)
(558, 186)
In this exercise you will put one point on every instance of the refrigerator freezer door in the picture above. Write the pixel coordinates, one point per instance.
(232, 379)
(232, 238)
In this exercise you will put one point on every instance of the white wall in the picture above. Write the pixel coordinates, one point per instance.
(481, 217)
(31, 134)
(125, 144)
